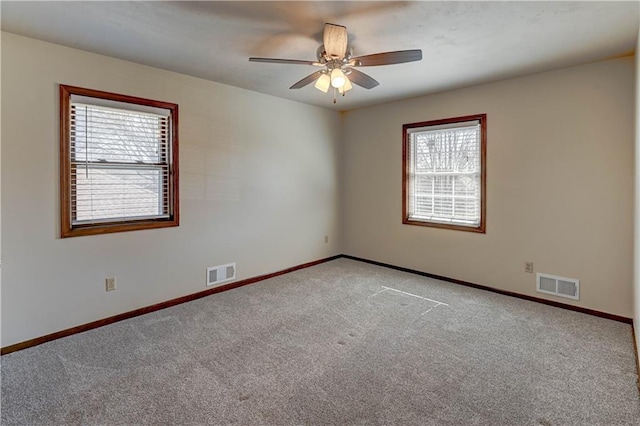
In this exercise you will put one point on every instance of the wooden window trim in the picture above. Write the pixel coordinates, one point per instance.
(482, 118)
(69, 230)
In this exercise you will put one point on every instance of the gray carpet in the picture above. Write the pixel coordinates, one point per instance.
(340, 343)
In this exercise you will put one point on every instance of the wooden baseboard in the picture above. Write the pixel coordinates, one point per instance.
(162, 305)
(495, 290)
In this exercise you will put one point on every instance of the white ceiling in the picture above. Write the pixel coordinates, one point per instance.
(463, 43)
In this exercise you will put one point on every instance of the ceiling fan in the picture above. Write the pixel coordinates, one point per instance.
(336, 59)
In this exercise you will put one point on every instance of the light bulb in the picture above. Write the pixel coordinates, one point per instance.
(323, 83)
(337, 78)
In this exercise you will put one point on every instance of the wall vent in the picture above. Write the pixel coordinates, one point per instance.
(217, 275)
(558, 286)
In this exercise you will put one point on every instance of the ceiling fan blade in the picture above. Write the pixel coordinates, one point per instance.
(362, 79)
(387, 58)
(335, 40)
(308, 79)
(284, 61)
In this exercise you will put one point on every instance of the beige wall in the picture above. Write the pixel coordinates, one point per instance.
(258, 186)
(0, 195)
(559, 184)
(636, 316)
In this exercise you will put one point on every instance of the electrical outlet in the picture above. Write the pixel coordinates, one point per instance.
(110, 283)
(528, 267)
(326, 239)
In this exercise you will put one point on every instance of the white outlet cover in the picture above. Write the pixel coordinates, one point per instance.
(110, 284)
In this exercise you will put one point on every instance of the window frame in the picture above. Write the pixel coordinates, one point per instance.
(68, 229)
(406, 171)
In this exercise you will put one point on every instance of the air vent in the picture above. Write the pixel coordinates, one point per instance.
(558, 286)
(219, 274)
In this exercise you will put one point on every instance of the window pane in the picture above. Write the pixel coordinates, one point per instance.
(424, 206)
(424, 184)
(466, 209)
(447, 150)
(102, 193)
(468, 185)
(107, 134)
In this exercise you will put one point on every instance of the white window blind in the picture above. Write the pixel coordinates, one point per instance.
(120, 164)
(444, 173)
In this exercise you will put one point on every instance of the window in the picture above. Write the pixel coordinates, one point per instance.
(118, 161)
(444, 173)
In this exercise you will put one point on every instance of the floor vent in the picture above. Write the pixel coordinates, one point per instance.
(558, 286)
(219, 274)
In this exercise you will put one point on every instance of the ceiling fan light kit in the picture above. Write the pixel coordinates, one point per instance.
(335, 55)
(323, 82)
